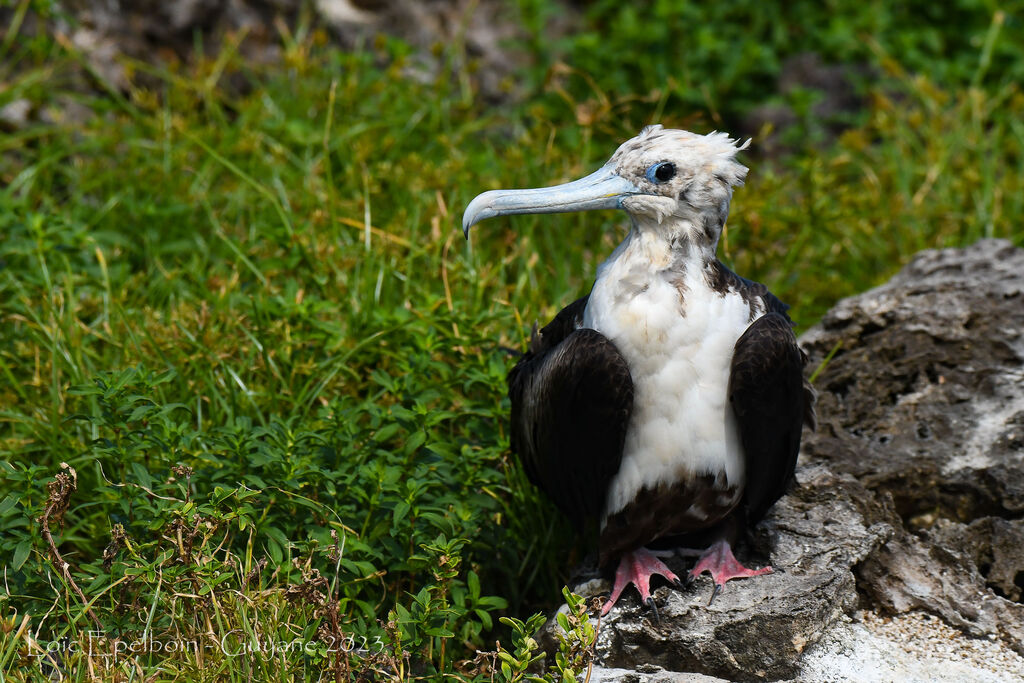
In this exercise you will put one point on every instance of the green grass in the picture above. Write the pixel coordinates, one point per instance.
(250, 324)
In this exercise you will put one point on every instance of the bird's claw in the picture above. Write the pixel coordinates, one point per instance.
(714, 593)
(649, 602)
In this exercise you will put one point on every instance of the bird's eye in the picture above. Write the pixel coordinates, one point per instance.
(661, 172)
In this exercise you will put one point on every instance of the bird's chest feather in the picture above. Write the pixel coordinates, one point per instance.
(678, 337)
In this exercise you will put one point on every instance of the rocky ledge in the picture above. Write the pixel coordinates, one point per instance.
(908, 517)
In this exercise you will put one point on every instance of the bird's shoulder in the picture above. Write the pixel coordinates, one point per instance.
(724, 281)
(551, 335)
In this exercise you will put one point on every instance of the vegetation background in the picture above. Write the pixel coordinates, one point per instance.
(252, 403)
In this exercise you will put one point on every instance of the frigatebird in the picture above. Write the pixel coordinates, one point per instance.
(667, 404)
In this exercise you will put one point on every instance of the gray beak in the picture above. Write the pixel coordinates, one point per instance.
(602, 189)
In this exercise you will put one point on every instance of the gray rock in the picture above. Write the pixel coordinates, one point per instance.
(649, 674)
(14, 114)
(994, 545)
(923, 402)
(938, 421)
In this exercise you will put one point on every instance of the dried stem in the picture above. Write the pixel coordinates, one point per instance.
(60, 490)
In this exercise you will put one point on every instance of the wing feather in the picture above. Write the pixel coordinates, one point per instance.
(771, 401)
(571, 397)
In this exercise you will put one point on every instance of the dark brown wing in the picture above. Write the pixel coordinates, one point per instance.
(771, 402)
(571, 399)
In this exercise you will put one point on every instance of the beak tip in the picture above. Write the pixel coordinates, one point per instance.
(476, 211)
(469, 219)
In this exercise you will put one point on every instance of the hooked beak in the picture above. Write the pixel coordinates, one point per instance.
(602, 189)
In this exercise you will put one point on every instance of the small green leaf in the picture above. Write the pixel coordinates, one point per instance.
(275, 550)
(563, 621)
(142, 475)
(416, 440)
(386, 432)
(85, 390)
(439, 632)
(401, 510)
(21, 553)
(164, 376)
(276, 534)
(140, 412)
(495, 602)
(7, 503)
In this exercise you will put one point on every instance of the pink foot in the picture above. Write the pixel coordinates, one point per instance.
(637, 568)
(719, 561)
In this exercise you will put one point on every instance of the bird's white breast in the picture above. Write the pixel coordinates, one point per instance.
(677, 336)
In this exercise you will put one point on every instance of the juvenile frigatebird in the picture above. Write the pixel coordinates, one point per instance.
(667, 403)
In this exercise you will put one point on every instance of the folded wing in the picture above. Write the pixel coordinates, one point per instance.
(571, 397)
(771, 401)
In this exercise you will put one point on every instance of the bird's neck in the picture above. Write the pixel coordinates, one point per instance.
(673, 242)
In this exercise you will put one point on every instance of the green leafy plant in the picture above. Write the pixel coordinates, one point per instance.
(576, 638)
(515, 665)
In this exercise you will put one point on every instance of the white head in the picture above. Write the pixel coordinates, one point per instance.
(673, 183)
